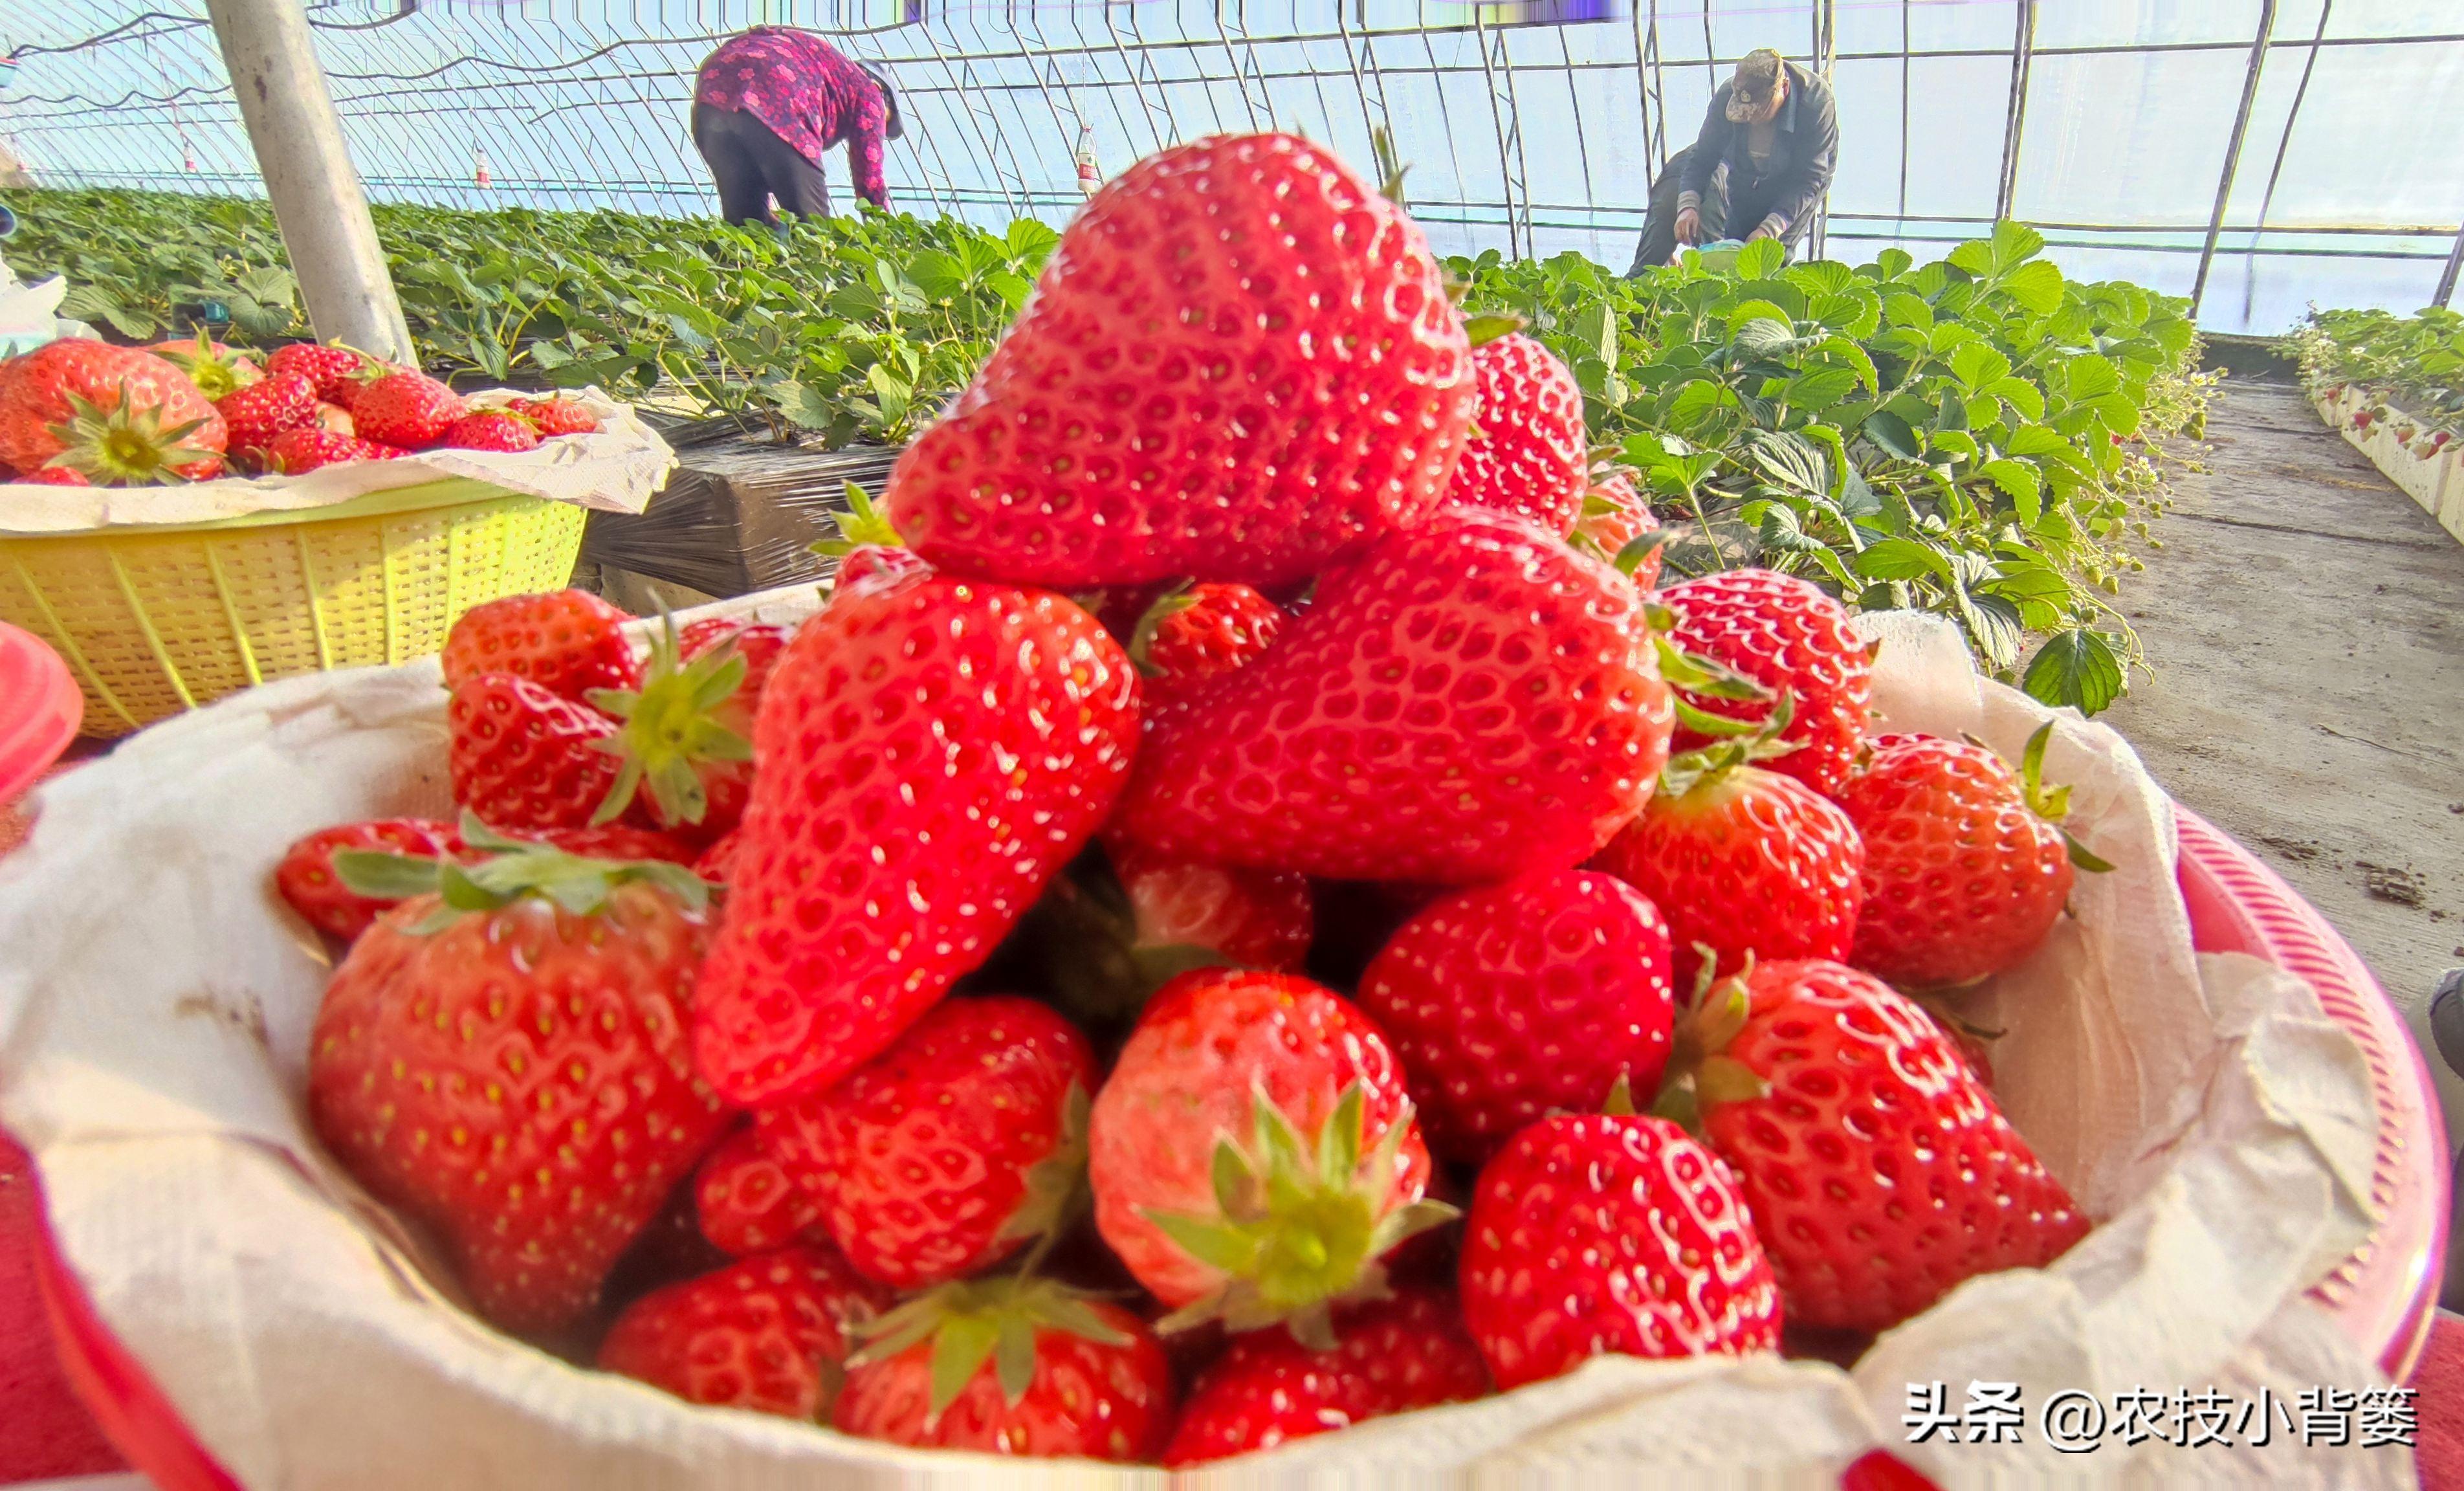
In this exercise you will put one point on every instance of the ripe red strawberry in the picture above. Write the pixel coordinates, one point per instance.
(256, 412)
(933, 751)
(1526, 455)
(489, 429)
(1613, 517)
(1880, 1171)
(882, 563)
(121, 417)
(1469, 701)
(1786, 635)
(1191, 634)
(1597, 1233)
(1010, 1366)
(1511, 1001)
(685, 746)
(554, 417)
(217, 370)
(1254, 918)
(759, 642)
(1390, 1356)
(718, 863)
(767, 1334)
(866, 549)
(961, 1144)
(567, 641)
(1240, 363)
(745, 1204)
(525, 758)
(617, 841)
(516, 1078)
(308, 881)
(296, 452)
(332, 372)
(1253, 1153)
(405, 408)
(1748, 862)
(52, 477)
(1965, 866)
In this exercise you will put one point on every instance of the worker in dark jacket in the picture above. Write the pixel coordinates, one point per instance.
(769, 103)
(1758, 169)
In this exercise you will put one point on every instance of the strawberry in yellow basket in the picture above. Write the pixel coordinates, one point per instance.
(506, 1060)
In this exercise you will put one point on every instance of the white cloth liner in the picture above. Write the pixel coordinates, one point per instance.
(616, 470)
(2201, 1106)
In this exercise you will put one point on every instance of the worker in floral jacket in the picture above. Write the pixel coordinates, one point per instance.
(769, 103)
(1759, 168)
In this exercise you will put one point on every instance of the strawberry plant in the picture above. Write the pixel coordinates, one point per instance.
(850, 329)
(1968, 436)
(2415, 363)
(1955, 435)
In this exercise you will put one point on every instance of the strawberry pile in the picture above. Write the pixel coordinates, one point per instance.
(1252, 919)
(82, 413)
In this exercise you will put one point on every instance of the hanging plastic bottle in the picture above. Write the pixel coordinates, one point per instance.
(1089, 177)
(479, 174)
(188, 158)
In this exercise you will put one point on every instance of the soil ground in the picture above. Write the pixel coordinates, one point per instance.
(2306, 621)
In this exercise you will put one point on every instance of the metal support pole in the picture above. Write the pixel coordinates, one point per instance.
(1826, 50)
(2233, 151)
(318, 200)
(2023, 51)
(2276, 172)
(2446, 276)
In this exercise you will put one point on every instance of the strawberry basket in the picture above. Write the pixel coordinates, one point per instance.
(142, 1280)
(164, 599)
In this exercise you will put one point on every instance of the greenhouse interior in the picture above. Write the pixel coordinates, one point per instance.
(1556, 742)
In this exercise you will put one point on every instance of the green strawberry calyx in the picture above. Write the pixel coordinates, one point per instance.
(1056, 1185)
(1489, 326)
(1701, 1074)
(1298, 1229)
(672, 728)
(1174, 599)
(217, 375)
(862, 524)
(517, 867)
(124, 446)
(2052, 805)
(975, 1322)
(1735, 743)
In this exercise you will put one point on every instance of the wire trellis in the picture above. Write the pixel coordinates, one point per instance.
(2134, 135)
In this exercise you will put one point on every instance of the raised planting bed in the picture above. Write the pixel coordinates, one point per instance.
(739, 514)
(2414, 455)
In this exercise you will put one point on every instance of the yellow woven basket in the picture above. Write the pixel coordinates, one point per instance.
(156, 619)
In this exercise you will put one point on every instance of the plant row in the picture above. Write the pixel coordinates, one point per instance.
(2412, 363)
(1967, 436)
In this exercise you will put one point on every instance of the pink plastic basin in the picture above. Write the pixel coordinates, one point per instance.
(2385, 1295)
(39, 710)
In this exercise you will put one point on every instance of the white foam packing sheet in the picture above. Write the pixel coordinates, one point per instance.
(155, 1002)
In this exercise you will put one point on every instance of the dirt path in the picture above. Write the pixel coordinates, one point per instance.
(2306, 623)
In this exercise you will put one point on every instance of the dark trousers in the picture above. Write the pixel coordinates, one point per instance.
(751, 165)
(1660, 222)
